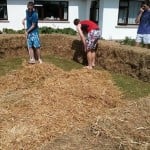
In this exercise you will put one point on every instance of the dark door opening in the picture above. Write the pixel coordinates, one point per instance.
(94, 11)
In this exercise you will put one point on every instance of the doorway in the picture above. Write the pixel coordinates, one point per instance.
(94, 11)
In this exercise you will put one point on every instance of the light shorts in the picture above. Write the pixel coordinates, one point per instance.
(145, 38)
(92, 38)
(33, 40)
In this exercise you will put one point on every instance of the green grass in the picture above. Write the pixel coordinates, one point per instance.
(7, 65)
(65, 64)
(132, 88)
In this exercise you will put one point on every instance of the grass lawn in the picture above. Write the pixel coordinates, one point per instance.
(132, 88)
(9, 65)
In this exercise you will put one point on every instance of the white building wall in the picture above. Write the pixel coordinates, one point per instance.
(16, 12)
(101, 6)
(108, 21)
(77, 9)
(88, 5)
(108, 15)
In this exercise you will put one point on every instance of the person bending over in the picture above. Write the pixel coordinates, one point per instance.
(89, 33)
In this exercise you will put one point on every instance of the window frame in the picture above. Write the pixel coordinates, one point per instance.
(127, 15)
(44, 18)
(4, 5)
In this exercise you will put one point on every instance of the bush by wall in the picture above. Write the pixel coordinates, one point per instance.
(42, 30)
(128, 41)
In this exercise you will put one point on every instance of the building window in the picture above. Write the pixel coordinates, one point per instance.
(3, 10)
(128, 10)
(52, 10)
(94, 11)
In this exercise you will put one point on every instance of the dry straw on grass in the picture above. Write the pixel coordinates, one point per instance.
(124, 127)
(40, 102)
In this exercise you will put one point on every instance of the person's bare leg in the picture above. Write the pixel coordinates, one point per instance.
(31, 55)
(38, 53)
(138, 44)
(89, 58)
(93, 55)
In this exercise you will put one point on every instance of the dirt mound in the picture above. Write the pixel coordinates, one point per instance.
(41, 102)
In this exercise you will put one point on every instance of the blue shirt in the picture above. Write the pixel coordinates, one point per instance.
(32, 17)
(144, 26)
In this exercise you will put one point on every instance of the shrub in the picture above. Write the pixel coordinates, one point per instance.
(9, 31)
(69, 31)
(129, 41)
(20, 31)
(49, 30)
(46, 30)
(42, 30)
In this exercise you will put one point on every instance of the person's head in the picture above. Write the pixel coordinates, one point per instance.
(146, 5)
(76, 21)
(30, 6)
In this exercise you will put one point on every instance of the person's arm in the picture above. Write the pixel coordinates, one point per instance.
(34, 23)
(31, 28)
(23, 22)
(139, 16)
(81, 35)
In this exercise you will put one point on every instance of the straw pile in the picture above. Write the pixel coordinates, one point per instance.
(124, 127)
(121, 128)
(41, 102)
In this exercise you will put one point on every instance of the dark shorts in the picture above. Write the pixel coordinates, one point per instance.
(33, 40)
(92, 39)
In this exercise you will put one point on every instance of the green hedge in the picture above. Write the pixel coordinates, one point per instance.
(42, 30)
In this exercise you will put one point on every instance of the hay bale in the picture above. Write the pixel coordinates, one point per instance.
(128, 60)
(113, 56)
(12, 46)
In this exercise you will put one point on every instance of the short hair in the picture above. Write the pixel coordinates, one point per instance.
(147, 2)
(30, 3)
(76, 21)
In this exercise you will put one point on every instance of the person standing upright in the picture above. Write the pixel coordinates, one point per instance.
(143, 19)
(90, 34)
(32, 34)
